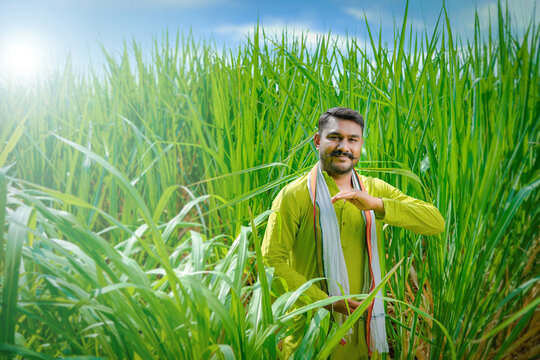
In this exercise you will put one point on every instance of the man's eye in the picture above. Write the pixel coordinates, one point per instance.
(353, 140)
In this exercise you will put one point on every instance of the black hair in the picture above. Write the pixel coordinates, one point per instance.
(341, 113)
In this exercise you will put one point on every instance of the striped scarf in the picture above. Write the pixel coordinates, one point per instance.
(333, 261)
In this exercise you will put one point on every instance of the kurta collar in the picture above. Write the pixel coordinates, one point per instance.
(330, 182)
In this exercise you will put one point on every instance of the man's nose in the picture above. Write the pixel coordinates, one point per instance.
(343, 145)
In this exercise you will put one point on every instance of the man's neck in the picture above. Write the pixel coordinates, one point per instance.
(343, 181)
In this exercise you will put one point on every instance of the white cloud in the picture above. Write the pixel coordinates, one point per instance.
(384, 18)
(274, 28)
(235, 32)
(520, 11)
(461, 18)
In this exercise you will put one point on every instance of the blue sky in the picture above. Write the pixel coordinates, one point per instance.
(45, 31)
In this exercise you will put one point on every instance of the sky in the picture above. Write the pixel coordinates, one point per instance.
(39, 35)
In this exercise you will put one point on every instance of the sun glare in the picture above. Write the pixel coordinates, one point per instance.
(21, 58)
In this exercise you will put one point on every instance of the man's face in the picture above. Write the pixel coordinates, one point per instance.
(340, 145)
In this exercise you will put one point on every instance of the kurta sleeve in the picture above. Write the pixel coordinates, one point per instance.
(279, 239)
(407, 212)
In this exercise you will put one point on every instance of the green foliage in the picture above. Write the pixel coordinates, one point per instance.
(111, 247)
(78, 294)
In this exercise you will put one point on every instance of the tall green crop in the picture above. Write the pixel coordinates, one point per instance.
(127, 153)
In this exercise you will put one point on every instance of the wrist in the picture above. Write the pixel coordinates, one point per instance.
(378, 206)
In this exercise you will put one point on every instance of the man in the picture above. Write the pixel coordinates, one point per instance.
(328, 223)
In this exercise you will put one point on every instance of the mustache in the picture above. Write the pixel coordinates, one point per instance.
(341, 153)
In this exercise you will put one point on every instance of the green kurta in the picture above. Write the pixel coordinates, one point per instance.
(289, 246)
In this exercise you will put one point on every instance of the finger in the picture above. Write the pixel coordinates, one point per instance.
(334, 199)
(350, 192)
(344, 195)
(353, 200)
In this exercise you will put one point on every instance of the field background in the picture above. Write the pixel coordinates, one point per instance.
(133, 199)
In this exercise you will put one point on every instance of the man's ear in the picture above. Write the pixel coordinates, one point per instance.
(317, 140)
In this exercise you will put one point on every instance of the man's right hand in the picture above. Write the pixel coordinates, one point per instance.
(341, 306)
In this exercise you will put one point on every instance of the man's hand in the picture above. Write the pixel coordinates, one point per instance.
(361, 200)
(341, 306)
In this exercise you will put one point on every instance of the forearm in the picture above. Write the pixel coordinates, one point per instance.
(405, 211)
(414, 215)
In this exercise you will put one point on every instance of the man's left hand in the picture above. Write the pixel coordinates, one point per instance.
(361, 200)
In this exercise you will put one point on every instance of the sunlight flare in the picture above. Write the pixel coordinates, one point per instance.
(22, 58)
